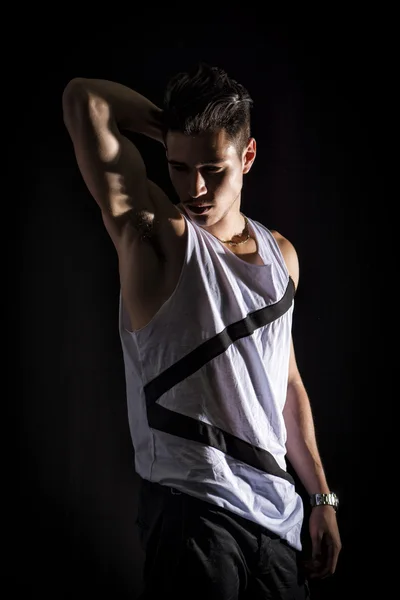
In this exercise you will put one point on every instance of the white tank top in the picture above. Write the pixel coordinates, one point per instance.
(206, 383)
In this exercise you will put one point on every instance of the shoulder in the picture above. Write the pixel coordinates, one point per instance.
(289, 254)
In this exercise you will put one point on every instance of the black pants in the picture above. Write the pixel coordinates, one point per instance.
(195, 550)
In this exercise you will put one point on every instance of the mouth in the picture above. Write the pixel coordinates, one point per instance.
(198, 210)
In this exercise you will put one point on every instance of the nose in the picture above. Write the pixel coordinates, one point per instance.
(197, 185)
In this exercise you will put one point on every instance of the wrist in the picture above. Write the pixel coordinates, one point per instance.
(140, 115)
(324, 499)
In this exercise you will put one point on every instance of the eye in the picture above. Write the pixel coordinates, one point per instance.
(178, 167)
(213, 169)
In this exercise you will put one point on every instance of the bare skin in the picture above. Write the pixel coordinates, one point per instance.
(149, 234)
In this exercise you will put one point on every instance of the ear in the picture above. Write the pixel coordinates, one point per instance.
(249, 155)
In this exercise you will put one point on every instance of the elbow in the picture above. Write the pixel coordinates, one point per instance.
(82, 103)
(74, 99)
(74, 89)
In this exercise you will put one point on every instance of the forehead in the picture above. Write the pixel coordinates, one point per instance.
(199, 149)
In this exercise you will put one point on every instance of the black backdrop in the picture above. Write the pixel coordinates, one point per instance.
(71, 513)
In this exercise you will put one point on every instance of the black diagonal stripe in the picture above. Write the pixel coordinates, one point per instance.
(182, 426)
(166, 420)
(215, 346)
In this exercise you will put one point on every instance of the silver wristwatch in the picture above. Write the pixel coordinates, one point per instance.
(325, 499)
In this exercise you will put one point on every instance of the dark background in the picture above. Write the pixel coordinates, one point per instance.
(71, 514)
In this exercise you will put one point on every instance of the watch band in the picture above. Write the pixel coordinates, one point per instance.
(330, 499)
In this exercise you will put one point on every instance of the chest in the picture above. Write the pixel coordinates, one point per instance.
(247, 252)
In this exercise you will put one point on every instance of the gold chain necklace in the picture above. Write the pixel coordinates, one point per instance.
(245, 230)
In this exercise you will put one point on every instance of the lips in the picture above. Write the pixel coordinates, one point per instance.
(198, 209)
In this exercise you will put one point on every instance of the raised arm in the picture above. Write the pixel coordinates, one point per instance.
(95, 112)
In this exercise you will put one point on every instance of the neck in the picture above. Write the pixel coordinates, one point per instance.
(231, 227)
(240, 238)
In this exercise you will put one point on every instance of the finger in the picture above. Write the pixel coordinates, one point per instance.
(316, 545)
(328, 561)
(320, 572)
(335, 549)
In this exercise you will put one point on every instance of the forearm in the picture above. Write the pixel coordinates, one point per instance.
(131, 110)
(301, 445)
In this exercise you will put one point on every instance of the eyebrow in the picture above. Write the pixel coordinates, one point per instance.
(212, 161)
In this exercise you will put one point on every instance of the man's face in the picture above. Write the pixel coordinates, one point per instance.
(207, 173)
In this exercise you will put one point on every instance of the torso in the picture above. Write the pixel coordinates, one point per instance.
(153, 280)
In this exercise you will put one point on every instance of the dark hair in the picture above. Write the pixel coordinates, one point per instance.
(205, 99)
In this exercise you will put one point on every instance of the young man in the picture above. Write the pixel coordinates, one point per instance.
(215, 398)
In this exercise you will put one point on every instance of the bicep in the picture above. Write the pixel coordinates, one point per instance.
(294, 373)
(292, 264)
(111, 165)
